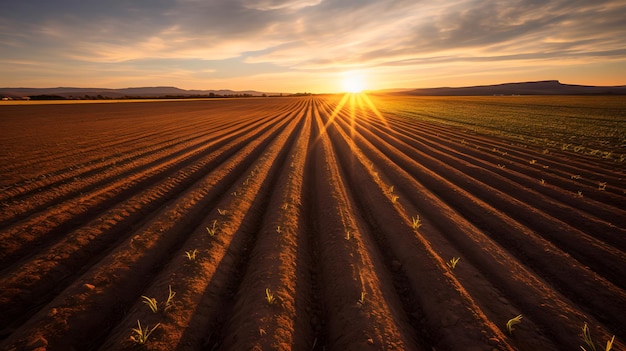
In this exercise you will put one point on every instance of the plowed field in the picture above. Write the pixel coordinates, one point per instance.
(310, 223)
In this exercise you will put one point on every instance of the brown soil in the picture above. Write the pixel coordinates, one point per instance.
(311, 200)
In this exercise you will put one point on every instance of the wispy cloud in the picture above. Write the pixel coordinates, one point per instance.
(219, 39)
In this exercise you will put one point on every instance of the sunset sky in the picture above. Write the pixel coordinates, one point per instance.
(309, 45)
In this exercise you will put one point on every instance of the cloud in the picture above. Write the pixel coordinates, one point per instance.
(494, 36)
(223, 38)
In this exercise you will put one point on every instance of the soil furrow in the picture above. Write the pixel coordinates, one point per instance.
(165, 229)
(150, 133)
(133, 150)
(319, 318)
(276, 274)
(611, 231)
(555, 159)
(48, 226)
(507, 282)
(313, 223)
(86, 245)
(363, 311)
(219, 265)
(425, 270)
(534, 165)
(132, 168)
(593, 253)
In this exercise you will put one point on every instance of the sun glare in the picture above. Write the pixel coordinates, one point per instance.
(353, 82)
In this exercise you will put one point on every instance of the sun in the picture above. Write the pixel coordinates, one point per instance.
(353, 82)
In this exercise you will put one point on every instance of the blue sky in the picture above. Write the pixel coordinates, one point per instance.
(309, 45)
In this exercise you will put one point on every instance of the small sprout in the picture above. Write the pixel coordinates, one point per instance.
(512, 322)
(262, 332)
(453, 261)
(391, 189)
(213, 230)
(278, 230)
(269, 297)
(347, 234)
(169, 303)
(221, 212)
(285, 206)
(533, 161)
(501, 166)
(546, 151)
(191, 255)
(609, 344)
(362, 298)
(417, 222)
(151, 302)
(394, 198)
(586, 335)
(576, 176)
(543, 182)
(602, 186)
(142, 334)
(579, 194)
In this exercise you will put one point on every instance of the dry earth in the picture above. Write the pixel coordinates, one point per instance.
(347, 217)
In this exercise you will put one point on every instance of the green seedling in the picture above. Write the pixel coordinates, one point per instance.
(416, 222)
(269, 297)
(151, 302)
(586, 335)
(391, 189)
(142, 334)
(221, 212)
(191, 255)
(394, 198)
(169, 303)
(213, 230)
(512, 322)
(362, 298)
(278, 230)
(602, 186)
(453, 261)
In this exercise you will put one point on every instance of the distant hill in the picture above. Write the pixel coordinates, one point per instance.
(547, 87)
(147, 92)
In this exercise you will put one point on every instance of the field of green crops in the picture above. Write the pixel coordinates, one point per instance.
(592, 125)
